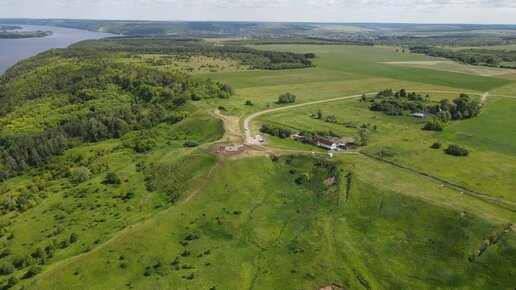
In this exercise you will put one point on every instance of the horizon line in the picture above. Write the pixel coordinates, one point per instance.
(262, 21)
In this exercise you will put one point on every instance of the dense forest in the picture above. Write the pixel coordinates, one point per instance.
(64, 97)
(477, 56)
(86, 94)
(258, 59)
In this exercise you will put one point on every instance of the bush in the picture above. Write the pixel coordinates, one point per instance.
(434, 124)
(6, 269)
(436, 145)
(33, 271)
(302, 179)
(456, 150)
(112, 178)
(286, 98)
(12, 281)
(81, 174)
(248, 103)
(73, 238)
(190, 144)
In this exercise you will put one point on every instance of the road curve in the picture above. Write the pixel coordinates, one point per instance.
(249, 140)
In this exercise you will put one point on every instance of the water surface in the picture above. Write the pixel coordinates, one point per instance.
(14, 50)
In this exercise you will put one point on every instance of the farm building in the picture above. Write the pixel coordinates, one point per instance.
(419, 114)
(326, 144)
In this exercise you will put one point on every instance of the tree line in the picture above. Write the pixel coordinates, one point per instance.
(258, 59)
(477, 56)
(86, 99)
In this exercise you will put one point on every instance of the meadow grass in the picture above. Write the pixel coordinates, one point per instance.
(257, 229)
(490, 168)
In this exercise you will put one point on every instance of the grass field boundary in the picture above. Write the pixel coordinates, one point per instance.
(503, 203)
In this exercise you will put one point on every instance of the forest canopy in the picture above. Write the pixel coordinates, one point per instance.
(62, 98)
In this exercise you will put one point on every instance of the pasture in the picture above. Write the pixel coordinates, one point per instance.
(269, 232)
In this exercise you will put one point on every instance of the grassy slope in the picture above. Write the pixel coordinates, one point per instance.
(290, 236)
(95, 210)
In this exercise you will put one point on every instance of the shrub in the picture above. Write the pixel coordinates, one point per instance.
(73, 238)
(456, 150)
(33, 271)
(436, 145)
(6, 269)
(81, 174)
(434, 124)
(286, 98)
(302, 179)
(190, 144)
(248, 103)
(12, 281)
(112, 178)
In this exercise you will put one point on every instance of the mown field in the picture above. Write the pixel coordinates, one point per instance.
(391, 214)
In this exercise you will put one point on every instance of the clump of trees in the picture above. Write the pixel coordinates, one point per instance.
(276, 131)
(402, 102)
(460, 108)
(310, 136)
(396, 103)
(286, 98)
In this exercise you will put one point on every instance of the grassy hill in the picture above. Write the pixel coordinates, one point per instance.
(110, 177)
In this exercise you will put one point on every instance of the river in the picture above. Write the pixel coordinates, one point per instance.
(14, 50)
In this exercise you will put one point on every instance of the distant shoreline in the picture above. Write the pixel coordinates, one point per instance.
(24, 34)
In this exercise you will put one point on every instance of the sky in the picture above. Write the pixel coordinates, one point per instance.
(399, 11)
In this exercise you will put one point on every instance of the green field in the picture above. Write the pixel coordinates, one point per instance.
(267, 232)
(390, 214)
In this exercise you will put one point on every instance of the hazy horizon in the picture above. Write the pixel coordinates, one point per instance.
(322, 11)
